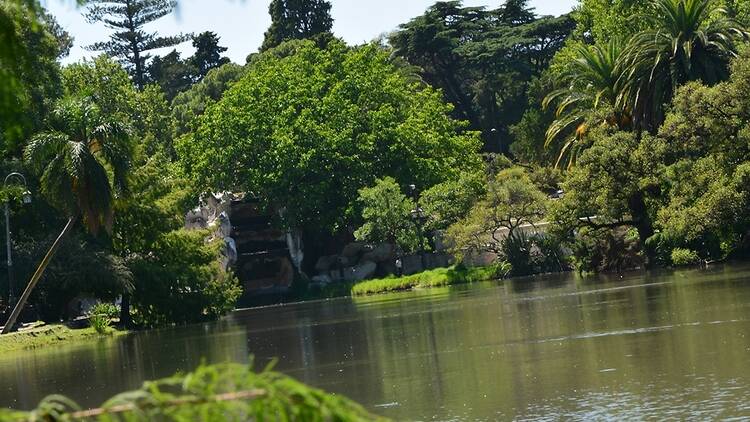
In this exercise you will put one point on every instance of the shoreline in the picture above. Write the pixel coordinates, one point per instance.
(47, 335)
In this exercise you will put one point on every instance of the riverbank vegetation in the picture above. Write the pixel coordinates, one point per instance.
(211, 393)
(46, 335)
(440, 277)
(593, 140)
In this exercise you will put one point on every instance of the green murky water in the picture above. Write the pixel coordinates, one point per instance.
(646, 346)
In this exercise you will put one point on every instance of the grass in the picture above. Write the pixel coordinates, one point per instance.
(49, 335)
(433, 278)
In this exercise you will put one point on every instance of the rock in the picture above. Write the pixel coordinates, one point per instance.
(381, 253)
(196, 219)
(412, 264)
(345, 261)
(224, 226)
(386, 268)
(322, 279)
(230, 253)
(325, 263)
(360, 272)
(354, 249)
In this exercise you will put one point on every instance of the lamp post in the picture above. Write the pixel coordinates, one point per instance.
(26, 200)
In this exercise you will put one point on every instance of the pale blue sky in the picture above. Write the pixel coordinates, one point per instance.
(241, 23)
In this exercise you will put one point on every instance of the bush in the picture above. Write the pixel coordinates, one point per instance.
(101, 316)
(181, 281)
(684, 257)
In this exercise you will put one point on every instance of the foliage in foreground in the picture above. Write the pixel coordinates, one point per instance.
(225, 392)
(440, 277)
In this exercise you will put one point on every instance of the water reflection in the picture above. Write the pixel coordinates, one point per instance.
(662, 345)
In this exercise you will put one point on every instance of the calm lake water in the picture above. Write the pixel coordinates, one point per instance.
(670, 345)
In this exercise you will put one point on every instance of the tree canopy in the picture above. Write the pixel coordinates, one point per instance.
(297, 20)
(306, 132)
(130, 43)
(483, 60)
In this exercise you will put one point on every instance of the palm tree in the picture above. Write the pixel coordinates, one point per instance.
(690, 40)
(590, 85)
(83, 161)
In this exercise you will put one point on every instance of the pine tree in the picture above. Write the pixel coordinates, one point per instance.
(130, 42)
(207, 54)
(297, 19)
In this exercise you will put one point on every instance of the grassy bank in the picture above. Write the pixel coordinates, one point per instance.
(433, 278)
(49, 335)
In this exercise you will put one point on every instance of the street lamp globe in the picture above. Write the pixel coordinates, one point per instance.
(27, 197)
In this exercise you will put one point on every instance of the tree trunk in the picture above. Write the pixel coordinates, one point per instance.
(639, 212)
(37, 275)
(125, 320)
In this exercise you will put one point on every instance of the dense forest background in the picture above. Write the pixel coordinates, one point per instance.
(621, 124)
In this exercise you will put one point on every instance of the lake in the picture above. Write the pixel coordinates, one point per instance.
(662, 345)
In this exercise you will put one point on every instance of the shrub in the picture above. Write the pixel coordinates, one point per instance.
(181, 281)
(684, 257)
(101, 315)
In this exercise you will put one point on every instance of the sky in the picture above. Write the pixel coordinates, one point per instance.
(241, 23)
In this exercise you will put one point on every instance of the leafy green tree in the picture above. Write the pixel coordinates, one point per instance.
(188, 106)
(707, 134)
(495, 223)
(612, 185)
(207, 54)
(171, 73)
(130, 43)
(180, 281)
(308, 131)
(447, 203)
(687, 40)
(105, 82)
(482, 60)
(386, 213)
(607, 20)
(296, 20)
(36, 72)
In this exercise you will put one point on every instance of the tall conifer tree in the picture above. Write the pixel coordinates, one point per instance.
(297, 19)
(130, 42)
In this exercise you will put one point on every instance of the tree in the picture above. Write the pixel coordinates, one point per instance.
(130, 43)
(495, 223)
(207, 54)
(687, 40)
(605, 20)
(171, 73)
(612, 185)
(180, 281)
(83, 162)
(386, 213)
(188, 106)
(590, 82)
(482, 60)
(297, 20)
(37, 42)
(447, 203)
(306, 132)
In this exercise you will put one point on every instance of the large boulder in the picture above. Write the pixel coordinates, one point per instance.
(381, 253)
(353, 250)
(325, 263)
(360, 272)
